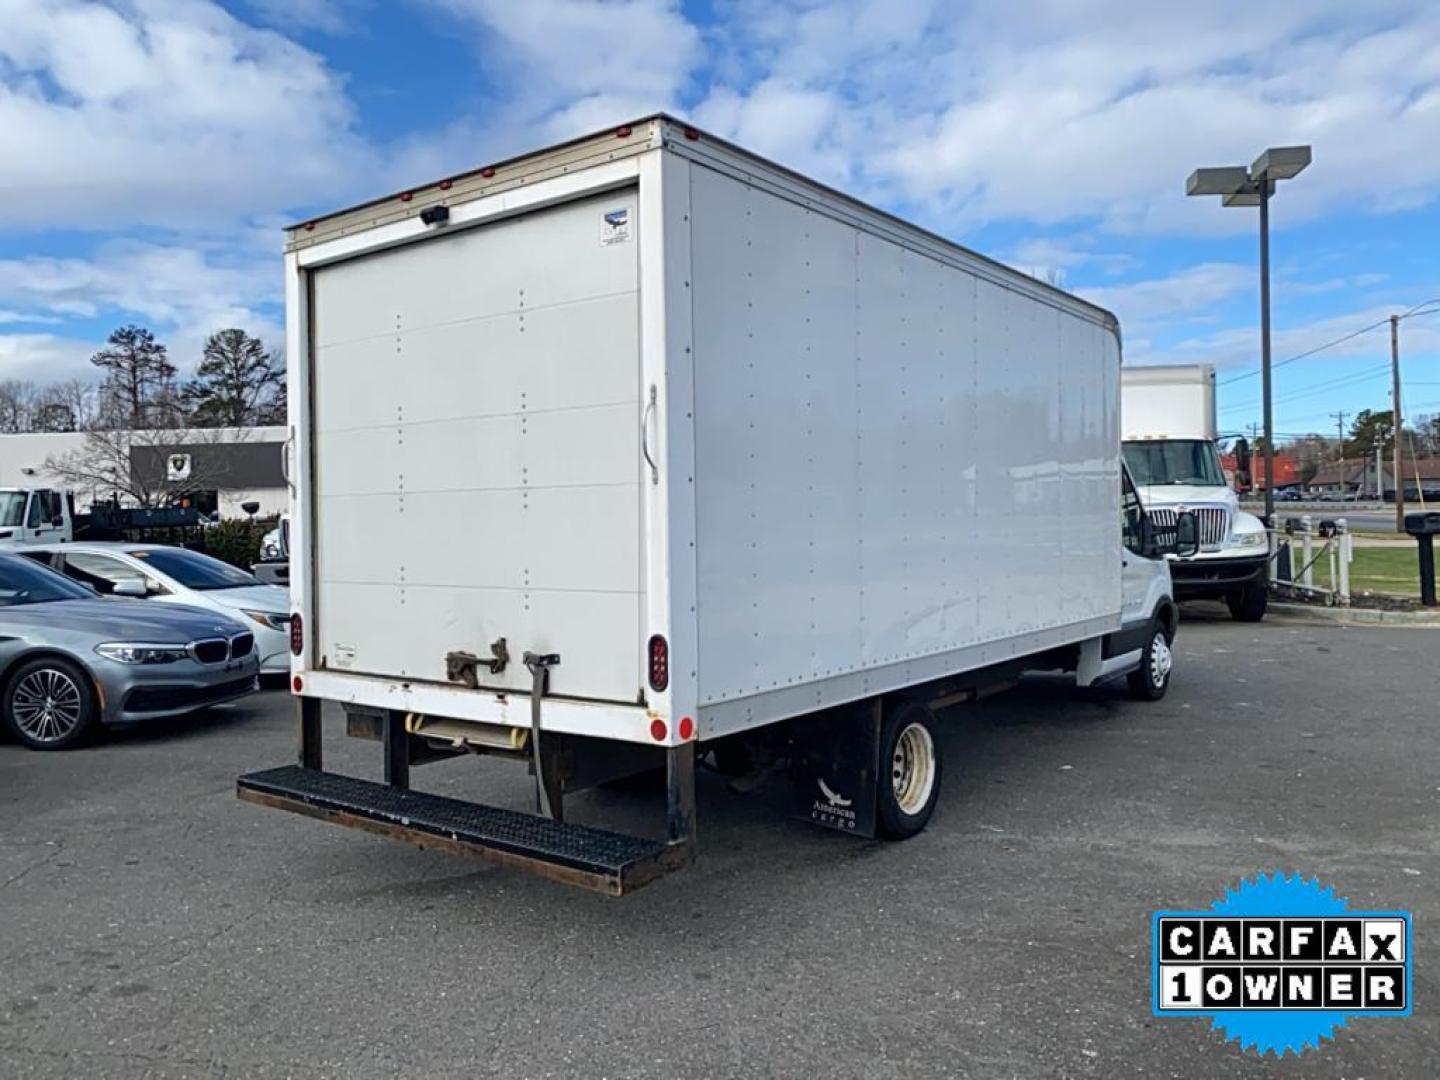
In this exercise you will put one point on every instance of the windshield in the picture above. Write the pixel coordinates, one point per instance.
(195, 571)
(1174, 461)
(12, 507)
(25, 582)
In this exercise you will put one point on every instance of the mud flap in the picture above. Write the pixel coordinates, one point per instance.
(835, 762)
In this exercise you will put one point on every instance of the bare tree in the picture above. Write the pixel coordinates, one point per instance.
(17, 405)
(135, 466)
(65, 406)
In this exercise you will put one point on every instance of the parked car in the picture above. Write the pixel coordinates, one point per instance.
(71, 660)
(1293, 494)
(176, 575)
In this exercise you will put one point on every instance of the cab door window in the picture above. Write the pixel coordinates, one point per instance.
(1132, 516)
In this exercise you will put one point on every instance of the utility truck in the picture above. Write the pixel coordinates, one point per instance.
(641, 449)
(35, 516)
(1169, 419)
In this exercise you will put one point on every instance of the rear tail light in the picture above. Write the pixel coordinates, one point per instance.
(297, 634)
(659, 663)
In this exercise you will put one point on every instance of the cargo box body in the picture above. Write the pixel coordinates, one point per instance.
(648, 386)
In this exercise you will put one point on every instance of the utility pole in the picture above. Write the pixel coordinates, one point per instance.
(1395, 412)
(1340, 431)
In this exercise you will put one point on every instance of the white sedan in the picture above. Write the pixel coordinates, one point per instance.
(176, 575)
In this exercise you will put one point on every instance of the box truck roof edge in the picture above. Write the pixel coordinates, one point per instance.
(652, 132)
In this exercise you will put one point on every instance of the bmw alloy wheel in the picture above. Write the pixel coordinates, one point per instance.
(47, 705)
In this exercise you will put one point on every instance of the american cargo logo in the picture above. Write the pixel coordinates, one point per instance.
(615, 226)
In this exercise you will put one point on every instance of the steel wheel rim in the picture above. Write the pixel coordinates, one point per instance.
(1160, 660)
(47, 705)
(912, 768)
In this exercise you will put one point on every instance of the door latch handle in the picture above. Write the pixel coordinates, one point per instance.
(645, 436)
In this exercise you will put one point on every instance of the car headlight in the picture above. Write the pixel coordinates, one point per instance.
(272, 620)
(1249, 539)
(131, 653)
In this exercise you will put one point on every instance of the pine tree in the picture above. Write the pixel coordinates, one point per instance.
(137, 368)
(238, 383)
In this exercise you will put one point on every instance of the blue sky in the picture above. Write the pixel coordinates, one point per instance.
(150, 150)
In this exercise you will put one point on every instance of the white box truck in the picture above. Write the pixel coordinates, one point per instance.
(1169, 420)
(641, 448)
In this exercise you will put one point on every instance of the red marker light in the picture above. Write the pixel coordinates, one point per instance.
(406, 196)
(309, 226)
(297, 684)
(687, 728)
(691, 134)
(488, 171)
(297, 634)
(659, 662)
(657, 729)
(445, 185)
(623, 131)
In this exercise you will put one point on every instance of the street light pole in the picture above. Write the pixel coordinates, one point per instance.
(1240, 186)
(1265, 353)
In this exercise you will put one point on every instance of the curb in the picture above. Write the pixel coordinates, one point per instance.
(1354, 616)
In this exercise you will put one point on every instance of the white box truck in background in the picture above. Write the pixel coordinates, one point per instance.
(641, 448)
(1169, 419)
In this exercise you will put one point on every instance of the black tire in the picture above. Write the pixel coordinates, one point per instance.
(908, 786)
(1151, 679)
(49, 704)
(1248, 604)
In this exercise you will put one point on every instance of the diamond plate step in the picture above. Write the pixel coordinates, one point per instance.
(598, 859)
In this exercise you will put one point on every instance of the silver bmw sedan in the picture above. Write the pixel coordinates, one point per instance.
(71, 660)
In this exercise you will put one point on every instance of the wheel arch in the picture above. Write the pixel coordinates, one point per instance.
(1168, 615)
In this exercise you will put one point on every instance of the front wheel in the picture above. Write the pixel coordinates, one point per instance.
(1248, 604)
(1151, 679)
(47, 703)
(909, 780)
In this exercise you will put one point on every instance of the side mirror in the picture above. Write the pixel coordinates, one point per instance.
(130, 587)
(1187, 534)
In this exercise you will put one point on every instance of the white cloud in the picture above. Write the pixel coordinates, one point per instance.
(167, 112)
(45, 358)
(1047, 112)
(578, 65)
(182, 293)
(1166, 300)
(328, 16)
(166, 284)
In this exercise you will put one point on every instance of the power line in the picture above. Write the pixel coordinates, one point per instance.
(1429, 308)
(1311, 352)
(1319, 388)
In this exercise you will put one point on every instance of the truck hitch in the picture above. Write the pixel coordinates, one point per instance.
(547, 786)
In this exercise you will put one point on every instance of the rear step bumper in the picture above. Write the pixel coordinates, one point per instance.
(607, 862)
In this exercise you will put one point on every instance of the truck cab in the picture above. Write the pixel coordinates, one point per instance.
(35, 516)
(1170, 447)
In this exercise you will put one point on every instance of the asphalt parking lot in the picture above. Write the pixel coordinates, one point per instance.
(151, 925)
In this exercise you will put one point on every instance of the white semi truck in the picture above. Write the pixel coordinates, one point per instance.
(1169, 419)
(640, 449)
